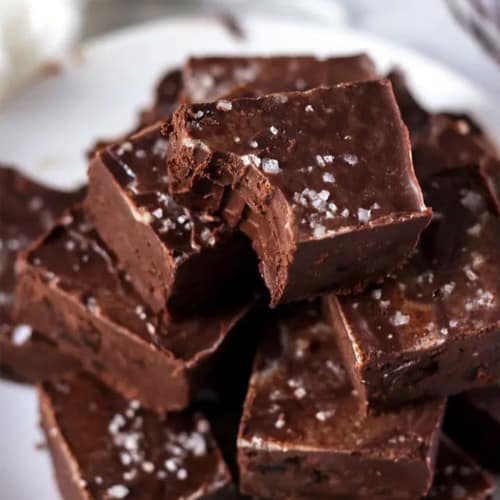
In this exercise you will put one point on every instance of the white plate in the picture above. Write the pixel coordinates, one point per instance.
(47, 128)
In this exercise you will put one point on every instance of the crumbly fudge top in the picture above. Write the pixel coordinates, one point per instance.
(340, 156)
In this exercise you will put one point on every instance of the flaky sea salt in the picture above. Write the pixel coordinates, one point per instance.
(118, 491)
(224, 105)
(270, 166)
(21, 334)
(400, 319)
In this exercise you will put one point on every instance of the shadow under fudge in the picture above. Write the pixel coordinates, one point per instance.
(70, 288)
(302, 434)
(326, 176)
(27, 210)
(434, 329)
(473, 421)
(457, 476)
(104, 446)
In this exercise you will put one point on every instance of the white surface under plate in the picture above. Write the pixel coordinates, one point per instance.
(46, 129)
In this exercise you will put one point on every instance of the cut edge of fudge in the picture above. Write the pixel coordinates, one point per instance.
(178, 259)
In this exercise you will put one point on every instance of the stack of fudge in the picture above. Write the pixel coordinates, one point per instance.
(282, 283)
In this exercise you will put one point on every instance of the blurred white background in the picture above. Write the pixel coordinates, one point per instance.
(35, 31)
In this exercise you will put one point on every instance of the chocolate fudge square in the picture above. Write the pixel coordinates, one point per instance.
(473, 421)
(302, 435)
(457, 476)
(70, 288)
(209, 78)
(106, 447)
(178, 259)
(326, 175)
(434, 330)
(440, 141)
(26, 210)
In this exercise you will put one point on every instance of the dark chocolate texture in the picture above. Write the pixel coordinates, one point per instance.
(209, 78)
(105, 447)
(302, 436)
(70, 288)
(177, 259)
(440, 141)
(458, 477)
(473, 421)
(333, 202)
(434, 330)
(27, 210)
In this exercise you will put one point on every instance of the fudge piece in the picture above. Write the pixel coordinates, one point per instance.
(166, 99)
(104, 446)
(70, 288)
(333, 202)
(440, 141)
(178, 259)
(473, 421)
(28, 356)
(302, 436)
(435, 329)
(457, 476)
(209, 78)
(26, 210)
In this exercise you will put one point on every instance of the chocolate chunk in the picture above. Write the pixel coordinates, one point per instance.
(333, 202)
(458, 477)
(440, 141)
(435, 329)
(473, 421)
(302, 435)
(177, 258)
(27, 210)
(209, 78)
(70, 288)
(166, 99)
(106, 447)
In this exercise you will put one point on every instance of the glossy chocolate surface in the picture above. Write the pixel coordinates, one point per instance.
(209, 78)
(27, 210)
(435, 329)
(175, 257)
(69, 281)
(457, 476)
(473, 420)
(116, 449)
(302, 433)
(317, 165)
